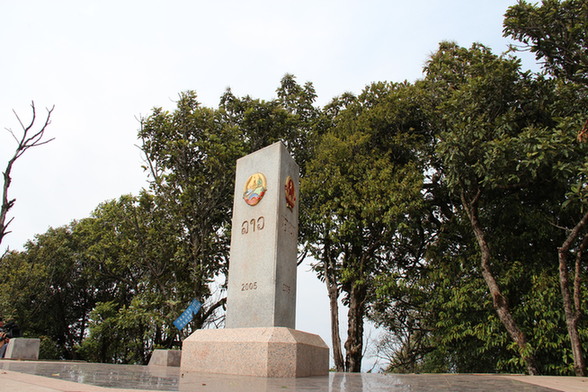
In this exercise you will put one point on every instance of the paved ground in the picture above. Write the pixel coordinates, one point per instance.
(39, 376)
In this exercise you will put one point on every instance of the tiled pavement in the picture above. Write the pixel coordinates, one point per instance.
(39, 376)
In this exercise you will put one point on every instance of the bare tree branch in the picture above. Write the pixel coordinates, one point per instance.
(302, 257)
(24, 143)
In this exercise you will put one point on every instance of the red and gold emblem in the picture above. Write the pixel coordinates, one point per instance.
(290, 192)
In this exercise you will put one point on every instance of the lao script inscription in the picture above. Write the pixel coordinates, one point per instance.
(253, 225)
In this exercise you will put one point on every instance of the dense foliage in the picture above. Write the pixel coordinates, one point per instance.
(452, 211)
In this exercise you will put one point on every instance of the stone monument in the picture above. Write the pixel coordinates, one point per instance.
(259, 338)
(262, 271)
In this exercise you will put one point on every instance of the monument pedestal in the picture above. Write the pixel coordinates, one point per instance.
(262, 352)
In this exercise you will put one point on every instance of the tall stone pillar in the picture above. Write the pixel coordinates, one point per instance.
(262, 270)
(259, 338)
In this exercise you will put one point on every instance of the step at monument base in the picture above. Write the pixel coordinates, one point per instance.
(261, 352)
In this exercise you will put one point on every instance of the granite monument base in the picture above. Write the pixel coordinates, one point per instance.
(165, 358)
(261, 352)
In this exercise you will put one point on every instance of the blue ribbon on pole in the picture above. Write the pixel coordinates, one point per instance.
(188, 315)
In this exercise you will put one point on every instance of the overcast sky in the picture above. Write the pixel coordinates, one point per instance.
(103, 64)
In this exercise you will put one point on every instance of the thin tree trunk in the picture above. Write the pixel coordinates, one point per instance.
(354, 343)
(572, 307)
(6, 204)
(333, 292)
(499, 301)
(578, 278)
(335, 336)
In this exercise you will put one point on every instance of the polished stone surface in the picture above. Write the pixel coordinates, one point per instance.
(171, 379)
(160, 378)
(340, 382)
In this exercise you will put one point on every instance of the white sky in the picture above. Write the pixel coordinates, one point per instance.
(105, 63)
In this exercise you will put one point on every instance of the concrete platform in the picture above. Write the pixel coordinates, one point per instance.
(39, 376)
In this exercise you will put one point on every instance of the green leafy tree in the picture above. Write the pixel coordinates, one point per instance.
(118, 263)
(128, 241)
(291, 118)
(49, 289)
(483, 104)
(191, 154)
(495, 136)
(556, 32)
(363, 181)
(559, 149)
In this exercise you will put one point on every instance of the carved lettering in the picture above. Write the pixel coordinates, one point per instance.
(248, 286)
(255, 224)
(260, 223)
